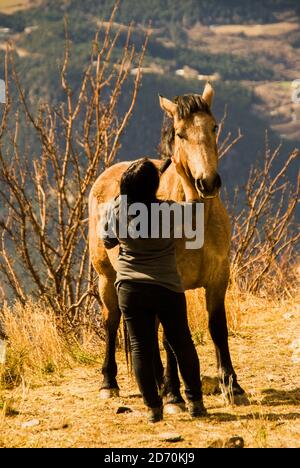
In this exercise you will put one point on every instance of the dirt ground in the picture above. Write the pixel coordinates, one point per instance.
(67, 412)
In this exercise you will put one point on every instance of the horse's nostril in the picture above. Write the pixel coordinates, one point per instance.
(209, 185)
(206, 186)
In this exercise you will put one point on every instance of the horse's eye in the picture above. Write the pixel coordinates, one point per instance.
(216, 128)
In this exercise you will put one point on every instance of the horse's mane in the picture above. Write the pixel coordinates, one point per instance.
(187, 105)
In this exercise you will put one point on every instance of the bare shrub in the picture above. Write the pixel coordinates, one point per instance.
(265, 234)
(45, 185)
(265, 237)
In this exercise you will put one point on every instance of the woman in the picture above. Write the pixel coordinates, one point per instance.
(149, 287)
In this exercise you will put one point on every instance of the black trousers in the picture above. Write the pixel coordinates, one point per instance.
(141, 304)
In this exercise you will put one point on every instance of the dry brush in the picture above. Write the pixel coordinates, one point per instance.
(49, 158)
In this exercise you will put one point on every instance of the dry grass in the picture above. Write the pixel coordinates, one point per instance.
(70, 413)
(35, 345)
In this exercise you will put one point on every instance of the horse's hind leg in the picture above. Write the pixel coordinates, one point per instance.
(111, 320)
(215, 296)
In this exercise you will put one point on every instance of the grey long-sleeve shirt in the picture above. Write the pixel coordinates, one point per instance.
(144, 258)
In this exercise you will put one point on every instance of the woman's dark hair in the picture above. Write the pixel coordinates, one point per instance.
(140, 181)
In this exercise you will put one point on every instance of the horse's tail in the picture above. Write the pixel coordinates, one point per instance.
(127, 348)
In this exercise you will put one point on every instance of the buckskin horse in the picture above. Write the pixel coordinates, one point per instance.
(192, 134)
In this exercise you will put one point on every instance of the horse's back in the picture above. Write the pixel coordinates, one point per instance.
(104, 189)
(107, 184)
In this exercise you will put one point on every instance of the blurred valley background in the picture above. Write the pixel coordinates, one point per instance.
(248, 49)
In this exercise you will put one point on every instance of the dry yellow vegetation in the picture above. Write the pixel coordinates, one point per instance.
(59, 396)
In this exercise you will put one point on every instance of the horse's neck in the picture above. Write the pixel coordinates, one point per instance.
(171, 187)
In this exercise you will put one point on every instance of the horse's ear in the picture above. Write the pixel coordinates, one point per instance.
(208, 93)
(168, 106)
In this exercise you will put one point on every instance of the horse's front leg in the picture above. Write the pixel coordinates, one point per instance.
(174, 402)
(111, 319)
(215, 297)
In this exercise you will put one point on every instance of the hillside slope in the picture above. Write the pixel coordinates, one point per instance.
(188, 39)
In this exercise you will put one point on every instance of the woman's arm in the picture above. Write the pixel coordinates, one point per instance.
(188, 188)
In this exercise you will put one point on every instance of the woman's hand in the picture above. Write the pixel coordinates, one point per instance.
(178, 165)
(189, 190)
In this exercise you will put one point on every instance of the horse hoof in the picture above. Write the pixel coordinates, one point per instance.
(238, 398)
(174, 408)
(241, 400)
(106, 393)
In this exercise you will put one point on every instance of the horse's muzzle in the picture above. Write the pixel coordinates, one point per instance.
(208, 187)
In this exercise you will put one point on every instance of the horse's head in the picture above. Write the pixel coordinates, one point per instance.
(193, 137)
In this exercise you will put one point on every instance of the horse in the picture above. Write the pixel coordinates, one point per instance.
(192, 135)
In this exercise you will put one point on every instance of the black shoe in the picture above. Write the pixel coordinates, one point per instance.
(197, 409)
(155, 415)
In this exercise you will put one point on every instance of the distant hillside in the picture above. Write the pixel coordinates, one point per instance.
(182, 46)
(186, 12)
